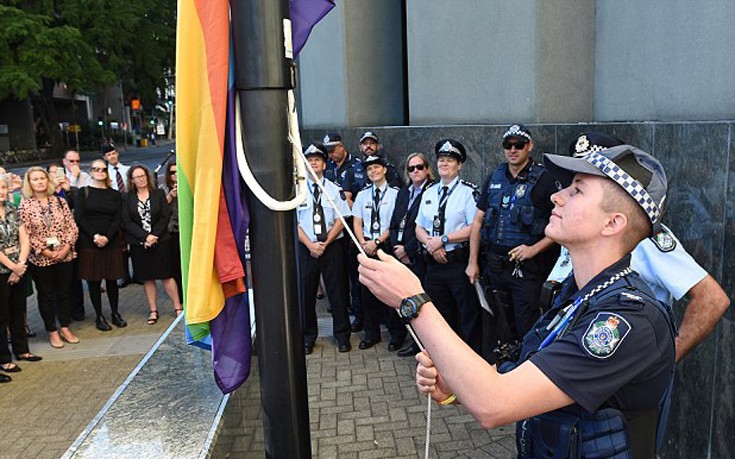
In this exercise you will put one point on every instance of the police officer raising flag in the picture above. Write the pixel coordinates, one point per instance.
(512, 213)
(595, 367)
(320, 253)
(443, 228)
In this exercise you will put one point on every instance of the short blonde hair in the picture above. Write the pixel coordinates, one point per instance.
(27, 190)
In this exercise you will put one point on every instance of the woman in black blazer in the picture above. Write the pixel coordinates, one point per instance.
(403, 223)
(146, 214)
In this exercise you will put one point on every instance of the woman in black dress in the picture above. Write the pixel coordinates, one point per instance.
(98, 212)
(171, 187)
(146, 214)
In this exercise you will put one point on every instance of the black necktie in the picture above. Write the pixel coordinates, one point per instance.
(120, 181)
(320, 229)
(375, 217)
(439, 225)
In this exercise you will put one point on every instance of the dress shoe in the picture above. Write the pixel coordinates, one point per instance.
(5, 378)
(308, 349)
(29, 357)
(102, 324)
(118, 321)
(78, 317)
(394, 346)
(356, 326)
(367, 344)
(30, 333)
(55, 340)
(344, 347)
(409, 351)
(68, 336)
(10, 367)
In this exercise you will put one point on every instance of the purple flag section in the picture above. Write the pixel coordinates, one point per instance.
(230, 330)
(304, 16)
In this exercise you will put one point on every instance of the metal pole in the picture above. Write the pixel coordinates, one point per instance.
(263, 79)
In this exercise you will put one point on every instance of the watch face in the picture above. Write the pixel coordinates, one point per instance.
(408, 308)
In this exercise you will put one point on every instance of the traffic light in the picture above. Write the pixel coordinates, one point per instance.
(153, 121)
(100, 121)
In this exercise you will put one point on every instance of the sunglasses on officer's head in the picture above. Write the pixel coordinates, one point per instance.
(520, 144)
(419, 167)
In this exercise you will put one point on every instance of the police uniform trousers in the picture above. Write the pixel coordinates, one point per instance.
(524, 291)
(350, 253)
(331, 266)
(454, 296)
(375, 312)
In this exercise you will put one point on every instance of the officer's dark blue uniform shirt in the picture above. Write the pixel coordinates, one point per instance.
(338, 174)
(620, 350)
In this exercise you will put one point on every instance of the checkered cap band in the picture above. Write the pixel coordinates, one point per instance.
(516, 131)
(447, 147)
(328, 142)
(584, 146)
(629, 184)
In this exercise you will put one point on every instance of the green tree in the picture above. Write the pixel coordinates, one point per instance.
(85, 44)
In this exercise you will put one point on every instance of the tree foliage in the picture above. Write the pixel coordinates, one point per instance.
(87, 45)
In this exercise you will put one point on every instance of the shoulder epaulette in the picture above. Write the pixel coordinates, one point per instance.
(394, 187)
(469, 184)
(430, 185)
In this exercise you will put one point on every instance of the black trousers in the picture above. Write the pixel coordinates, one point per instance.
(54, 281)
(331, 266)
(456, 299)
(350, 262)
(12, 315)
(524, 292)
(77, 290)
(95, 295)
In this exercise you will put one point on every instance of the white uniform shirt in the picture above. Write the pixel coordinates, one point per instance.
(669, 274)
(123, 170)
(305, 212)
(363, 208)
(459, 212)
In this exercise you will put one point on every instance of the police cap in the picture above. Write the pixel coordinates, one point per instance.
(374, 159)
(518, 130)
(316, 149)
(638, 173)
(451, 147)
(369, 135)
(331, 140)
(592, 141)
(108, 148)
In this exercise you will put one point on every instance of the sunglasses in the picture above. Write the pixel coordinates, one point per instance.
(417, 167)
(520, 144)
(171, 172)
(99, 169)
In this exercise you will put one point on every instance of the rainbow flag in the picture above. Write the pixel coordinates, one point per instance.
(213, 213)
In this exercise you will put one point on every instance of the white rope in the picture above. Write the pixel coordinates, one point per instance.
(299, 172)
(301, 168)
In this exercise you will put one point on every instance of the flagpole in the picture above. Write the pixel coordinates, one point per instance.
(264, 76)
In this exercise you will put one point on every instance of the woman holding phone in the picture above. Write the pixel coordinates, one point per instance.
(52, 233)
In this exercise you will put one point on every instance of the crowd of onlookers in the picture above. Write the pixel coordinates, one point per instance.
(61, 225)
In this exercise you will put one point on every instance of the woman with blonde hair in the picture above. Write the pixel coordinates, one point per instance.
(14, 251)
(52, 233)
(98, 212)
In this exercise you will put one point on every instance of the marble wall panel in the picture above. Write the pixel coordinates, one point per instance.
(723, 440)
(728, 250)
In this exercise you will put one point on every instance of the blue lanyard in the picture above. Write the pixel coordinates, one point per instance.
(446, 198)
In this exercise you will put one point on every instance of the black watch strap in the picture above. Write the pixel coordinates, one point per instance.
(411, 306)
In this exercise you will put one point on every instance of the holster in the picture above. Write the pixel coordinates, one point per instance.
(549, 290)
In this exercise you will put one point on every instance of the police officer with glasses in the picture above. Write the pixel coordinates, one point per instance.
(320, 253)
(443, 228)
(371, 213)
(583, 387)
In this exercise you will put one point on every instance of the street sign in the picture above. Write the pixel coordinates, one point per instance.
(74, 128)
(161, 129)
(135, 104)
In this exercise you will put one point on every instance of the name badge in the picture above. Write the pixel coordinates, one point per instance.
(317, 229)
(376, 226)
(52, 242)
(11, 250)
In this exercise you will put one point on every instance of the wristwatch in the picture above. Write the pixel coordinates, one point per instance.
(445, 239)
(411, 306)
(376, 241)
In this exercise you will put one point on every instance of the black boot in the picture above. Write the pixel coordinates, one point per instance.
(102, 324)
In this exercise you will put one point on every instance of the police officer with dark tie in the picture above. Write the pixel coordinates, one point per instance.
(341, 164)
(419, 176)
(320, 253)
(371, 214)
(513, 211)
(443, 225)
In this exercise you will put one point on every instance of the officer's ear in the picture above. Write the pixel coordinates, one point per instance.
(530, 146)
(617, 223)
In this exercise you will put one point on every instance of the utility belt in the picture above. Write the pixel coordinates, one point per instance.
(459, 255)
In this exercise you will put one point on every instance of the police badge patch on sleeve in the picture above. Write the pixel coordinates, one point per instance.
(664, 240)
(604, 335)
